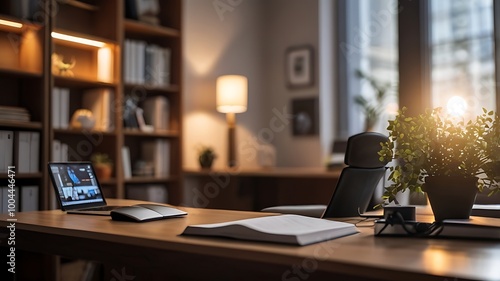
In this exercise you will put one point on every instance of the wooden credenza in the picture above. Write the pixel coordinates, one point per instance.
(257, 188)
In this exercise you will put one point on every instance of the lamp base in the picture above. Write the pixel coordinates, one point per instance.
(231, 140)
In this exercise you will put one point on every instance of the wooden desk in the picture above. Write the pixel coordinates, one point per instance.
(155, 251)
(256, 188)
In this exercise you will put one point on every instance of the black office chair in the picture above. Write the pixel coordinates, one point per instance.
(356, 184)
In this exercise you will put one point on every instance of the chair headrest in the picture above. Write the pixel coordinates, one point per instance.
(362, 150)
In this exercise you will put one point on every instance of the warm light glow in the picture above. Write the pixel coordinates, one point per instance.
(456, 106)
(11, 23)
(105, 65)
(232, 93)
(79, 40)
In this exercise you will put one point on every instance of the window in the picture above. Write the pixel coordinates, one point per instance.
(446, 56)
(368, 45)
(462, 56)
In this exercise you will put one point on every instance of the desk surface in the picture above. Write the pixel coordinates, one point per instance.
(154, 244)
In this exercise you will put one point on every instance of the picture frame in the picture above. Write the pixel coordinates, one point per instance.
(299, 66)
(305, 116)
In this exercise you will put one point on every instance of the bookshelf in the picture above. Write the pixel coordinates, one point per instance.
(53, 87)
(24, 82)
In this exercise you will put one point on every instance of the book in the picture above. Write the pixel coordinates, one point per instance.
(157, 152)
(473, 228)
(29, 198)
(127, 169)
(22, 149)
(55, 111)
(145, 212)
(156, 112)
(34, 151)
(6, 153)
(100, 102)
(56, 151)
(287, 229)
(64, 108)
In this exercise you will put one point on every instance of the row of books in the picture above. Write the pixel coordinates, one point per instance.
(152, 116)
(60, 151)
(25, 146)
(154, 154)
(146, 64)
(60, 108)
(157, 152)
(99, 101)
(26, 198)
(14, 113)
(143, 10)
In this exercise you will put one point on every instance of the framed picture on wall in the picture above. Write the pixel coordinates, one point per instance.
(305, 116)
(299, 66)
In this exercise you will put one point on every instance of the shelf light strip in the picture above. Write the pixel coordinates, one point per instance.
(79, 40)
(11, 23)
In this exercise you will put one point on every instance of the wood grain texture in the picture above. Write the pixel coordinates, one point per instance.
(156, 246)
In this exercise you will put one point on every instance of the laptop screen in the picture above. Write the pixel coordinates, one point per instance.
(76, 185)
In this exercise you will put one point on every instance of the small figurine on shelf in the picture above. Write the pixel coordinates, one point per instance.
(82, 119)
(103, 165)
(59, 67)
(206, 156)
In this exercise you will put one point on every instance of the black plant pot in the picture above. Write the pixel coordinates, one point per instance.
(451, 197)
(206, 161)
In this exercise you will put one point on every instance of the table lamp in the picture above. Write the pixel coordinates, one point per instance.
(232, 93)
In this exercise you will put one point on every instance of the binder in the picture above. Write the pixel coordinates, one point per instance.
(34, 152)
(29, 198)
(23, 140)
(6, 151)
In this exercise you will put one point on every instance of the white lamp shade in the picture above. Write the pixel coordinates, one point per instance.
(232, 93)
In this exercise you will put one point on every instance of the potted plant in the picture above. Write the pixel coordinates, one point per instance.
(374, 107)
(103, 165)
(206, 156)
(440, 156)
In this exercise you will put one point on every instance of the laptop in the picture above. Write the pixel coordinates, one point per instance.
(77, 188)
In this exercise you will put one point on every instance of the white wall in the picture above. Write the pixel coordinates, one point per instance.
(249, 38)
(290, 23)
(218, 42)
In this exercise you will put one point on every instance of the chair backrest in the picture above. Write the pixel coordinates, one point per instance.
(359, 179)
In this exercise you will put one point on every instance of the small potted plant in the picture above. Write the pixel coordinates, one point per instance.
(440, 156)
(103, 165)
(206, 156)
(374, 107)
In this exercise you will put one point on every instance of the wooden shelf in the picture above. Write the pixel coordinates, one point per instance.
(83, 132)
(276, 172)
(154, 89)
(148, 30)
(78, 4)
(157, 134)
(79, 45)
(26, 25)
(65, 81)
(20, 125)
(19, 72)
(135, 180)
(29, 82)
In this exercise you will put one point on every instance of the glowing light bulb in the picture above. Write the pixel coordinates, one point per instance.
(456, 106)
